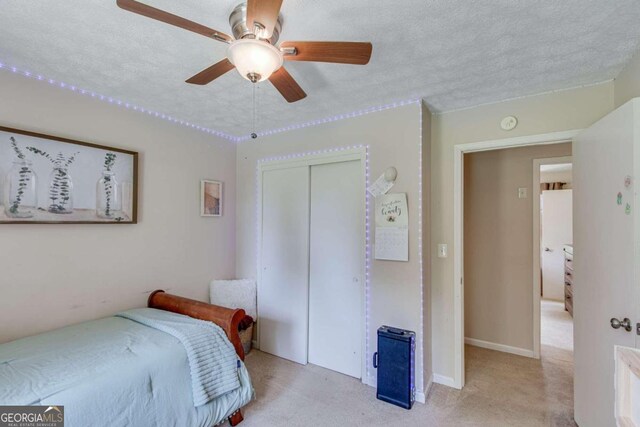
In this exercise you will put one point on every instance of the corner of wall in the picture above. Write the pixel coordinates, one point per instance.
(627, 85)
(425, 129)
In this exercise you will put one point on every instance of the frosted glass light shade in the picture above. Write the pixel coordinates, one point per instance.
(254, 58)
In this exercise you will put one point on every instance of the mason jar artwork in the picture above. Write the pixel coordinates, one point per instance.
(20, 190)
(60, 191)
(20, 186)
(47, 179)
(60, 182)
(108, 196)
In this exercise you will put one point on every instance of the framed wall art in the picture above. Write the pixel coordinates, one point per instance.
(210, 198)
(46, 179)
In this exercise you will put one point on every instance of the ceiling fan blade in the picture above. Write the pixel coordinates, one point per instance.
(169, 18)
(208, 75)
(287, 86)
(265, 12)
(338, 52)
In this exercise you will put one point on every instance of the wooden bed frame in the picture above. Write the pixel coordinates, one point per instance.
(228, 319)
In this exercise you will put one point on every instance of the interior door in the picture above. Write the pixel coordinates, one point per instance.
(283, 288)
(604, 258)
(336, 267)
(557, 230)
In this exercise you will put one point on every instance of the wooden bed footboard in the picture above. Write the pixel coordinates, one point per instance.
(228, 319)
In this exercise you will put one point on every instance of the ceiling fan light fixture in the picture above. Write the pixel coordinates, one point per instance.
(256, 26)
(254, 59)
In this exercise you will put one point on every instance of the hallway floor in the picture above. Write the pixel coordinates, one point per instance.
(556, 330)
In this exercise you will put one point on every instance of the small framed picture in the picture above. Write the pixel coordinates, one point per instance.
(210, 198)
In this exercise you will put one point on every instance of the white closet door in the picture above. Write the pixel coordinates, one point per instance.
(283, 289)
(336, 264)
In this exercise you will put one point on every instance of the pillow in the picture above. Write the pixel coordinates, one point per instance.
(234, 294)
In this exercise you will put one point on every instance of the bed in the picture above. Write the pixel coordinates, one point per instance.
(119, 372)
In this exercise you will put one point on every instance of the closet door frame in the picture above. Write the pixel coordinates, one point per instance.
(336, 155)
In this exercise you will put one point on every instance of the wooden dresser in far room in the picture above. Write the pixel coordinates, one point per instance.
(568, 278)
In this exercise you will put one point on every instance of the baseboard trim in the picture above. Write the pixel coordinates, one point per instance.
(427, 388)
(420, 397)
(444, 380)
(500, 347)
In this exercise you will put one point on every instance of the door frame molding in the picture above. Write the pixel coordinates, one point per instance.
(537, 261)
(458, 225)
(333, 155)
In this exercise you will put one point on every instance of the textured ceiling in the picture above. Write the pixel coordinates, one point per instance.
(453, 53)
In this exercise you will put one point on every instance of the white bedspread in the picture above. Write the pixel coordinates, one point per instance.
(213, 361)
(111, 372)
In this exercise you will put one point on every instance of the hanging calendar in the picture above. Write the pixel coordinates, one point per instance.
(392, 227)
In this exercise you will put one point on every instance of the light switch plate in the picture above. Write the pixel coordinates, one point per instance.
(522, 193)
(442, 250)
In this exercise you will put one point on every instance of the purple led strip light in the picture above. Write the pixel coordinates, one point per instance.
(333, 118)
(413, 368)
(420, 250)
(224, 135)
(367, 262)
(117, 102)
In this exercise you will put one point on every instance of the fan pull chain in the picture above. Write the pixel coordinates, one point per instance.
(254, 135)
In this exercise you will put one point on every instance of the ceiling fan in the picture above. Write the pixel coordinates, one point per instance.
(256, 27)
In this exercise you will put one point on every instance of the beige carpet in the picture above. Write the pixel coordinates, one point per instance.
(556, 331)
(501, 390)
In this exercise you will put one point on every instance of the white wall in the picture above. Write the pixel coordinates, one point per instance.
(54, 275)
(565, 110)
(627, 84)
(556, 223)
(394, 137)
